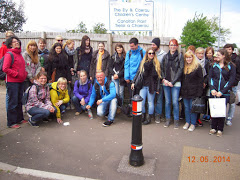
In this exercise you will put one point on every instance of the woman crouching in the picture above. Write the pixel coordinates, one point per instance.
(59, 97)
(38, 104)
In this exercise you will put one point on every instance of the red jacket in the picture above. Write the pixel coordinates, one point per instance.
(16, 72)
(3, 50)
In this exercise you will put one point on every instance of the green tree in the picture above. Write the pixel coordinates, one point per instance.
(81, 28)
(99, 28)
(11, 16)
(224, 32)
(198, 32)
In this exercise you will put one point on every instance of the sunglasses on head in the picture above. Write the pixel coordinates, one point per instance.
(151, 53)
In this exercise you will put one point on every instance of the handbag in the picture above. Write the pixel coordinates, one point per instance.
(217, 107)
(232, 97)
(139, 81)
(198, 105)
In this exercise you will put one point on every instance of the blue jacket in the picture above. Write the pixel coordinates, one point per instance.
(83, 91)
(131, 65)
(107, 96)
(222, 80)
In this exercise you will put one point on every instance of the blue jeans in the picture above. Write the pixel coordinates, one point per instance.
(231, 109)
(109, 107)
(190, 117)
(159, 104)
(14, 109)
(38, 114)
(144, 93)
(171, 96)
(77, 104)
(119, 88)
(64, 106)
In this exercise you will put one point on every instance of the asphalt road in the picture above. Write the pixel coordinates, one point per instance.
(87, 149)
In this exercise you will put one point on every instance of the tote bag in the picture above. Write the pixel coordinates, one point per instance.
(217, 107)
(198, 105)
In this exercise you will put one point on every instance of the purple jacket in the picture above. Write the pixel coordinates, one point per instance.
(82, 91)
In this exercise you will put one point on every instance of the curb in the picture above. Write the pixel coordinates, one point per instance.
(38, 173)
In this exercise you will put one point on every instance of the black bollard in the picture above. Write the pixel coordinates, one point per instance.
(136, 156)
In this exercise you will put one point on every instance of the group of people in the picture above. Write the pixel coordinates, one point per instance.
(65, 76)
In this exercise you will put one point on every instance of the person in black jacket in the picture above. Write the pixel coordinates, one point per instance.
(222, 77)
(192, 87)
(58, 66)
(236, 60)
(116, 69)
(42, 53)
(84, 53)
(172, 70)
(150, 73)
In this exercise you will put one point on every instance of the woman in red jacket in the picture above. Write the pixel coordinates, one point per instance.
(15, 76)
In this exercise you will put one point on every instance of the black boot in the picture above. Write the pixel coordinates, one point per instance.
(149, 119)
(143, 117)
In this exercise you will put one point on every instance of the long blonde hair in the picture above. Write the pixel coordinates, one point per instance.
(155, 63)
(188, 68)
(69, 41)
(33, 55)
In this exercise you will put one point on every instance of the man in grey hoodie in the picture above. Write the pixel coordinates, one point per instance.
(159, 105)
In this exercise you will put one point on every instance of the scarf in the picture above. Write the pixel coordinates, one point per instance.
(99, 63)
(87, 49)
(170, 65)
(69, 52)
(202, 63)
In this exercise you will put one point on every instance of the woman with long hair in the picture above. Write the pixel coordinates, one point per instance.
(84, 54)
(58, 63)
(222, 77)
(15, 76)
(116, 69)
(151, 73)
(32, 63)
(191, 88)
(100, 61)
(172, 70)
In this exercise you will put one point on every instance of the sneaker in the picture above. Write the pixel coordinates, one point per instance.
(212, 131)
(176, 124)
(45, 120)
(186, 125)
(23, 122)
(32, 123)
(219, 133)
(63, 111)
(167, 123)
(157, 119)
(229, 123)
(199, 123)
(90, 115)
(14, 126)
(77, 113)
(107, 123)
(191, 128)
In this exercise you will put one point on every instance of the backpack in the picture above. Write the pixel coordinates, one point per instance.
(3, 74)
(130, 53)
(107, 85)
(26, 94)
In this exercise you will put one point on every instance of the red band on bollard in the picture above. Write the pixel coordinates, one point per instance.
(136, 147)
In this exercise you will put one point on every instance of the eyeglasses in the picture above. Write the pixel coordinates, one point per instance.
(15, 41)
(173, 45)
(59, 40)
(151, 53)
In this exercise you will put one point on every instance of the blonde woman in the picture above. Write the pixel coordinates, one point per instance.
(151, 73)
(59, 97)
(32, 63)
(192, 87)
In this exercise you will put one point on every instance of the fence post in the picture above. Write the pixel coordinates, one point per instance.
(109, 43)
(43, 35)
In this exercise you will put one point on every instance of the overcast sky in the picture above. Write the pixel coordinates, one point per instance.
(62, 15)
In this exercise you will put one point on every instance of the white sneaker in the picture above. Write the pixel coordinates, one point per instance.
(229, 123)
(212, 131)
(191, 128)
(219, 133)
(186, 125)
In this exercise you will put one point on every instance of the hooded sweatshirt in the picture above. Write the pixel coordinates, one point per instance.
(58, 94)
(3, 50)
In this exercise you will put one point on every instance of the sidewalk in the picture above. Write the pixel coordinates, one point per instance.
(86, 149)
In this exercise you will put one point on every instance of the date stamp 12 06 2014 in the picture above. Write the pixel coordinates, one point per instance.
(206, 159)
